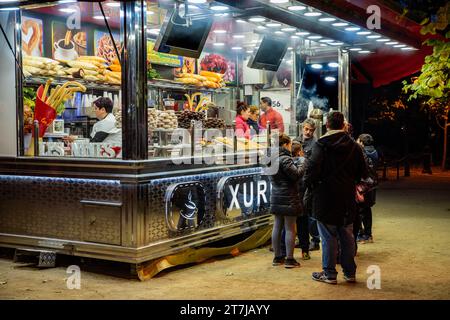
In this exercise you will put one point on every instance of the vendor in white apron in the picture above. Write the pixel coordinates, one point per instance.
(105, 130)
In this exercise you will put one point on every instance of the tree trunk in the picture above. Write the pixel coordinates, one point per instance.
(444, 156)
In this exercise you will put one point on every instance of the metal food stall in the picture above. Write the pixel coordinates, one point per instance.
(161, 190)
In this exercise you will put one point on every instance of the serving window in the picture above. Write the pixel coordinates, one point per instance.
(197, 82)
(71, 59)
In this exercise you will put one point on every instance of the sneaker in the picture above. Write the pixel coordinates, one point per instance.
(291, 263)
(361, 239)
(314, 246)
(351, 279)
(277, 261)
(305, 255)
(369, 239)
(320, 276)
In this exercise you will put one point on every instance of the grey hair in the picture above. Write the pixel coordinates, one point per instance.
(310, 122)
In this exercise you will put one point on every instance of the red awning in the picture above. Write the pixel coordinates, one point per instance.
(389, 64)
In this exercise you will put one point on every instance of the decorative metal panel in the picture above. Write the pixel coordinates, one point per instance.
(50, 207)
(157, 227)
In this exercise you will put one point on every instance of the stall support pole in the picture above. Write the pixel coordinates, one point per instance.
(269, 136)
(344, 83)
(234, 137)
(134, 80)
(36, 138)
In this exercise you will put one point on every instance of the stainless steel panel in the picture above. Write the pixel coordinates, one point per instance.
(102, 222)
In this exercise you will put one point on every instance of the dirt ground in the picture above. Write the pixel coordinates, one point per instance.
(411, 247)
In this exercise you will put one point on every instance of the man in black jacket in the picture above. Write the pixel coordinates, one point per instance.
(335, 166)
(307, 140)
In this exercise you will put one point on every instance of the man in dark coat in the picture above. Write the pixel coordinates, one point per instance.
(335, 166)
(307, 141)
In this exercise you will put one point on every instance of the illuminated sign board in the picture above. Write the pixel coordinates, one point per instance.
(185, 206)
(240, 196)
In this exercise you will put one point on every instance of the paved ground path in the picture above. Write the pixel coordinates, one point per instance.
(412, 249)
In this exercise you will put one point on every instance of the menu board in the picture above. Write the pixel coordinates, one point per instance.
(104, 47)
(76, 45)
(219, 63)
(165, 59)
(32, 36)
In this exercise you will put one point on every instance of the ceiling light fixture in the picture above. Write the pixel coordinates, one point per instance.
(340, 24)
(296, 8)
(68, 10)
(273, 25)
(352, 29)
(219, 8)
(312, 14)
(288, 29)
(316, 66)
(327, 19)
(330, 79)
(355, 49)
(257, 19)
(363, 33)
(374, 36)
(333, 64)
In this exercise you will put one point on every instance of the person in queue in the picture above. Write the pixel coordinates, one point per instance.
(365, 208)
(335, 166)
(242, 115)
(307, 140)
(105, 129)
(253, 119)
(285, 203)
(302, 218)
(271, 115)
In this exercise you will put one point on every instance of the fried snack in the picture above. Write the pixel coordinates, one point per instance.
(92, 58)
(67, 37)
(81, 64)
(33, 63)
(90, 78)
(47, 86)
(217, 76)
(80, 39)
(35, 37)
(115, 68)
(31, 70)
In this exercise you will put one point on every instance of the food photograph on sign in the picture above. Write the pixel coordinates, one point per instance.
(68, 44)
(219, 63)
(104, 46)
(32, 36)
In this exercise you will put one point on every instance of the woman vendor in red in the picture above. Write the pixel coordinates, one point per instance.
(242, 114)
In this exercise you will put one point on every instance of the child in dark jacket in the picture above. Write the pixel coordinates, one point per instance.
(302, 221)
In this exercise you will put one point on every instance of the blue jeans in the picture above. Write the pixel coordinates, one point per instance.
(315, 238)
(329, 235)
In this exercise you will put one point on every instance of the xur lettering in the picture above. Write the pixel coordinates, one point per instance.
(247, 191)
